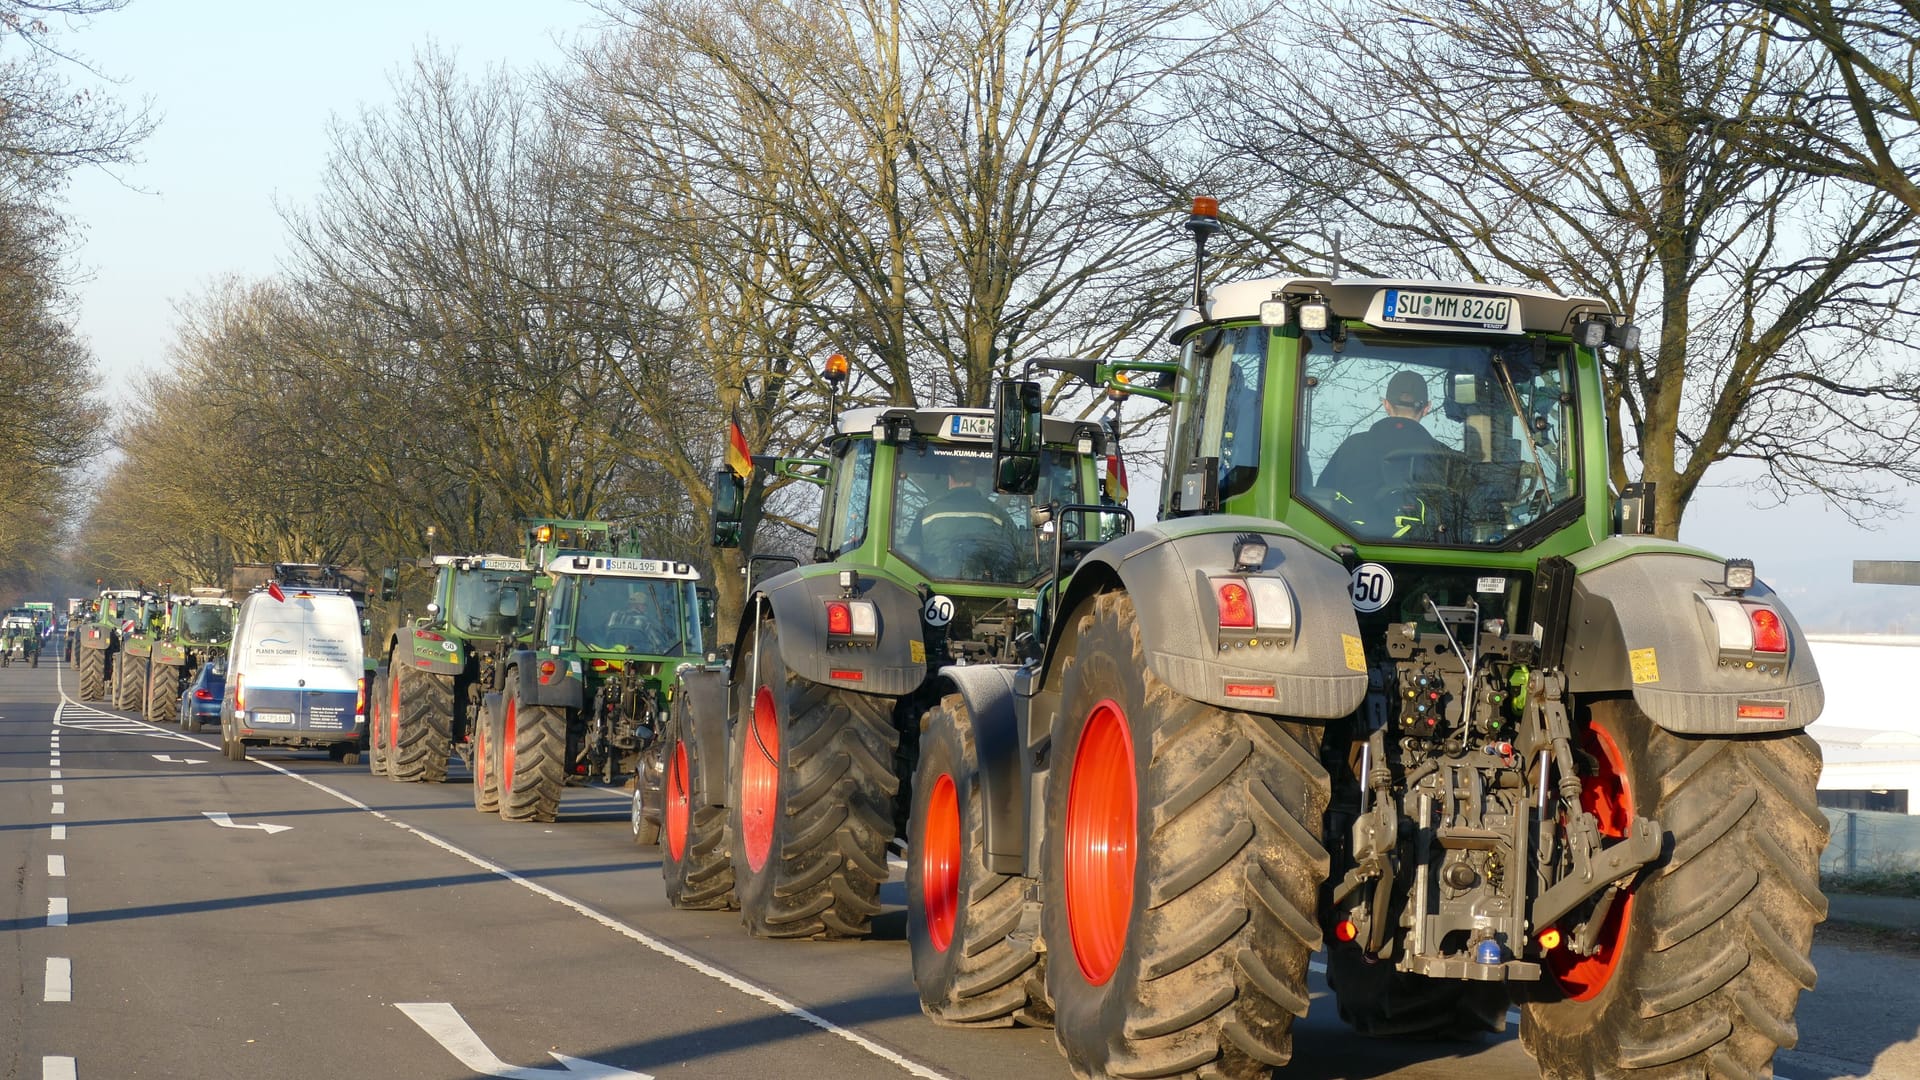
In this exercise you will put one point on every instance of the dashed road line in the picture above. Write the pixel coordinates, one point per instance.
(56, 866)
(59, 979)
(56, 911)
(55, 774)
(59, 789)
(59, 808)
(57, 1068)
(59, 833)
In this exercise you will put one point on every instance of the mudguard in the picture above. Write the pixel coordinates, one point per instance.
(894, 666)
(97, 637)
(1319, 675)
(563, 688)
(1637, 623)
(413, 647)
(169, 654)
(138, 646)
(988, 691)
(702, 692)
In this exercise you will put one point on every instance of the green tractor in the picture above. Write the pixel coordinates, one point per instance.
(786, 773)
(434, 668)
(197, 628)
(588, 694)
(1396, 674)
(119, 615)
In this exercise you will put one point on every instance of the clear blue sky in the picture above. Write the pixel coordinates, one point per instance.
(246, 88)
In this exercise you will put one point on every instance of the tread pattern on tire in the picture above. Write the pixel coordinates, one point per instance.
(1719, 937)
(702, 879)
(424, 715)
(982, 979)
(1215, 968)
(163, 694)
(93, 674)
(837, 783)
(377, 717)
(130, 683)
(539, 765)
(486, 763)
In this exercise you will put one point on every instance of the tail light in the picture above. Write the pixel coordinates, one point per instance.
(239, 695)
(852, 622)
(428, 635)
(1750, 633)
(548, 669)
(360, 698)
(203, 694)
(1253, 611)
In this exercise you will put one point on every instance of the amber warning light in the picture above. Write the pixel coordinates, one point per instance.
(836, 368)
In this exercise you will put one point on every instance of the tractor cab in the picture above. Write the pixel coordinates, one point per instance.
(610, 608)
(483, 596)
(202, 617)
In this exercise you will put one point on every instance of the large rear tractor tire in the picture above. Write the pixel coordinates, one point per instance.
(163, 694)
(422, 722)
(812, 807)
(379, 724)
(533, 757)
(959, 912)
(1703, 960)
(130, 683)
(486, 761)
(93, 674)
(1182, 870)
(695, 855)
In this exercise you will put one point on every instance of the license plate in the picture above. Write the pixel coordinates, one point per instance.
(1407, 307)
(264, 719)
(972, 427)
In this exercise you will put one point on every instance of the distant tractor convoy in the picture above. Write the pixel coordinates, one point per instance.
(1396, 675)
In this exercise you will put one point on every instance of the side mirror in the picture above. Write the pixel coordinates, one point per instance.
(389, 583)
(509, 602)
(729, 494)
(1016, 436)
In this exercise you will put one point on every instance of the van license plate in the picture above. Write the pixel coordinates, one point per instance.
(265, 719)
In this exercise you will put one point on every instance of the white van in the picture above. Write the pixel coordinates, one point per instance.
(295, 675)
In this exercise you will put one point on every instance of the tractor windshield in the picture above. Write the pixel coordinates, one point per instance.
(490, 603)
(642, 615)
(950, 523)
(206, 622)
(1461, 443)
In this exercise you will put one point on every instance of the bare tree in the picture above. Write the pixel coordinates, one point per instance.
(1630, 152)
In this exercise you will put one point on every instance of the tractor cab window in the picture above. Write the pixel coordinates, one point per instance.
(1436, 441)
(950, 523)
(641, 615)
(850, 491)
(1216, 437)
(206, 622)
(477, 597)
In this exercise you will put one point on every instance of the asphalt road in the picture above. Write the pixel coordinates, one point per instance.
(387, 930)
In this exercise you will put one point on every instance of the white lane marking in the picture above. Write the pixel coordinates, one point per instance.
(57, 1068)
(59, 979)
(171, 760)
(220, 818)
(56, 866)
(59, 789)
(451, 1030)
(56, 911)
(59, 808)
(55, 774)
(59, 833)
(640, 937)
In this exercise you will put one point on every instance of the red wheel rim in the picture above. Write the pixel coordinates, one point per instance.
(679, 810)
(1102, 804)
(510, 734)
(1607, 797)
(760, 781)
(393, 714)
(940, 862)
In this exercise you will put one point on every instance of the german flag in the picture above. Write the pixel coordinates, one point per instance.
(1116, 479)
(739, 458)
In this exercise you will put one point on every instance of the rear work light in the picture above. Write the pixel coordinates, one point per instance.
(1253, 611)
(852, 622)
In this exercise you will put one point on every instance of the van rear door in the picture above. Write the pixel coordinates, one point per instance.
(304, 666)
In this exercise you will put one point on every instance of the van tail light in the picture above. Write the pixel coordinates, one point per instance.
(360, 698)
(240, 694)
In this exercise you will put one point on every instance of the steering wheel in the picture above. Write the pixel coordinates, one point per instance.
(1428, 488)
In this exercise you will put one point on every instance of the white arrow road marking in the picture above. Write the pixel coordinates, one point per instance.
(171, 760)
(219, 817)
(448, 1028)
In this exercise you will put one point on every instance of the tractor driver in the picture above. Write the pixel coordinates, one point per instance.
(641, 624)
(963, 534)
(1372, 462)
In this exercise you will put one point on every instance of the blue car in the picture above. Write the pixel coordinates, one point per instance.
(201, 699)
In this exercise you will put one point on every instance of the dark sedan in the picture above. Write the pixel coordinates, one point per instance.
(201, 700)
